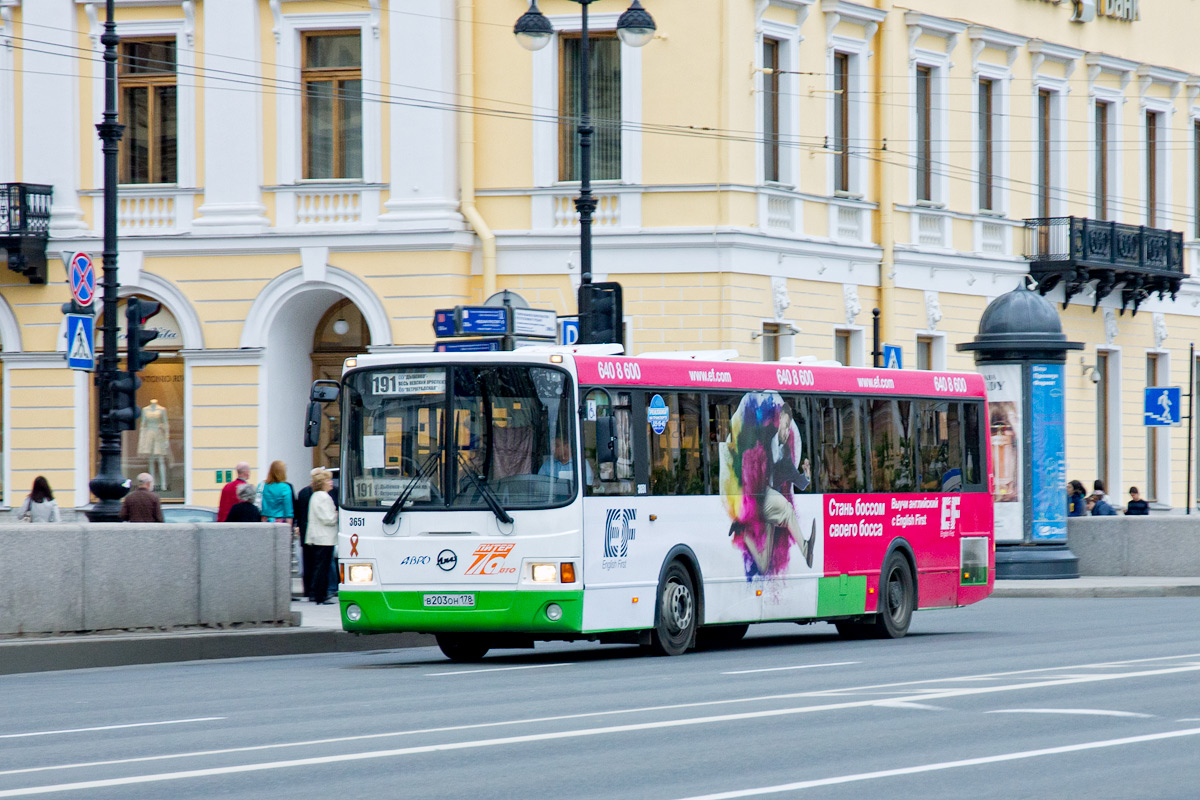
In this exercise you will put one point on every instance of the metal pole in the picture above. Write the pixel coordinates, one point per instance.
(877, 353)
(108, 485)
(585, 204)
(1191, 411)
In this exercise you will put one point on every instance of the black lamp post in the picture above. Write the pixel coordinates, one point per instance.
(635, 28)
(108, 485)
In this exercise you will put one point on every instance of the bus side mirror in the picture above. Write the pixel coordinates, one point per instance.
(312, 427)
(606, 440)
(324, 392)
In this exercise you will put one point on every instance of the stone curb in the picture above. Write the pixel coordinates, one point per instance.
(1031, 589)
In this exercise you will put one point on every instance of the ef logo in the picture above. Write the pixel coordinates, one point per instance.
(950, 513)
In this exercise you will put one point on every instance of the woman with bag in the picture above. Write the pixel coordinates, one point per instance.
(277, 496)
(322, 533)
(40, 505)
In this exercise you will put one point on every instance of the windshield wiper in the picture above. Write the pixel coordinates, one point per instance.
(393, 513)
(489, 496)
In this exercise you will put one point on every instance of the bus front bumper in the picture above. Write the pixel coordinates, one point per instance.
(492, 612)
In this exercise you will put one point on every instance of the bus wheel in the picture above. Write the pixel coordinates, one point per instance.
(460, 647)
(675, 630)
(715, 637)
(897, 598)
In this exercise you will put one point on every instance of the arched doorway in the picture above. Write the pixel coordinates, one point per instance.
(341, 333)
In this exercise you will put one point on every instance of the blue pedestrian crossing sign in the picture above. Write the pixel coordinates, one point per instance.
(893, 357)
(81, 353)
(1163, 406)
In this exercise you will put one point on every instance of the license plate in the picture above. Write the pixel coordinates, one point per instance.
(449, 601)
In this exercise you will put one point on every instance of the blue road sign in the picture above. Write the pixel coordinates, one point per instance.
(467, 346)
(80, 351)
(1163, 406)
(568, 331)
(893, 357)
(82, 273)
(443, 322)
(476, 320)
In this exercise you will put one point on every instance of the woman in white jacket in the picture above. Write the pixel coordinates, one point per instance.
(40, 505)
(322, 532)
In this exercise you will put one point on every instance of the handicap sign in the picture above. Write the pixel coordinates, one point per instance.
(568, 331)
(83, 279)
(1163, 406)
(80, 352)
(893, 357)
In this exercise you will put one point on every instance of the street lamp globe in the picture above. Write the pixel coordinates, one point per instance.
(635, 27)
(533, 30)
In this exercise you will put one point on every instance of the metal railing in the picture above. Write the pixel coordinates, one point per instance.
(1102, 244)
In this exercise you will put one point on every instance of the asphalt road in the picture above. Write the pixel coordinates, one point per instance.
(1013, 698)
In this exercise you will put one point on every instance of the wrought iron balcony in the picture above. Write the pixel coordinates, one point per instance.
(25, 227)
(1076, 251)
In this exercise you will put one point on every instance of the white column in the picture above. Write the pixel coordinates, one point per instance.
(424, 141)
(50, 150)
(8, 109)
(233, 141)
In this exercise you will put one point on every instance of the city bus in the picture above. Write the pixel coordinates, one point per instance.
(552, 493)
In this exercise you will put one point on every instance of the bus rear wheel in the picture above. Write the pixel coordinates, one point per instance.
(897, 598)
(462, 647)
(675, 629)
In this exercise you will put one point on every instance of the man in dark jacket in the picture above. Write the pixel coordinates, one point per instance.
(142, 504)
(1137, 506)
(308, 555)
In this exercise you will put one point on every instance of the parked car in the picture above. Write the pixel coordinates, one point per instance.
(176, 513)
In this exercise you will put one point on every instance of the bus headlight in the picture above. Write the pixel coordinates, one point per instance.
(360, 573)
(545, 573)
(554, 612)
(353, 613)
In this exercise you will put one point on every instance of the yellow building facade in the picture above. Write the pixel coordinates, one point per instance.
(307, 179)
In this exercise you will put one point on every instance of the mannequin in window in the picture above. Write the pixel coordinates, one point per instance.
(154, 434)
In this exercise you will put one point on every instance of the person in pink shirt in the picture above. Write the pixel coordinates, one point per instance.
(229, 491)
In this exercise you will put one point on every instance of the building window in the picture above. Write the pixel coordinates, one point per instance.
(604, 100)
(1102, 372)
(841, 122)
(147, 85)
(1153, 134)
(776, 340)
(841, 347)
(1100, 173)
(1151, 490)
(925, 352)
(1196, 173)
(333, 129)
(986, 135)
(770, 102)
(924, 99)
(1045, 153)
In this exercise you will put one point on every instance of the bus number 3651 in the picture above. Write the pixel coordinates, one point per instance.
(794, 377)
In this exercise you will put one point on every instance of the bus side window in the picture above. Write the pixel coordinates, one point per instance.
(800, 410)
(676, 465)
(892, 446)
(608, 478)
(939, 449)
(720, 413)
(841, 462)
(973, 477)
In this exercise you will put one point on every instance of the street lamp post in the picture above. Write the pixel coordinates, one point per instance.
(635, 28)
(108, 485)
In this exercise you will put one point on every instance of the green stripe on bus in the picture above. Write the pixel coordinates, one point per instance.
(841, 595)
(493, 612)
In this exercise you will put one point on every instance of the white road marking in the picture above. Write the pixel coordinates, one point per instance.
(909, 704)
(571, 734)
(801, 666)
(493, 669)
(1087, 712)
(966, 762)
(109, 727)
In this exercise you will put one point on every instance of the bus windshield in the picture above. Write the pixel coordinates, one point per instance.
(458, 434)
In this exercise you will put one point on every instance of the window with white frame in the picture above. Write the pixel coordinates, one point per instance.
(1046, 156)
(843, 121)
(1196, 177)
(987, 130)
(928, 132)
(1102, 157)
(777, 340)
(332, 127)
(848, 347)
(604, 102)
(146, 81)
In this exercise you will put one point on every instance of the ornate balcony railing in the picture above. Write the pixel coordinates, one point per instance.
(1076, 251)
(25, 227)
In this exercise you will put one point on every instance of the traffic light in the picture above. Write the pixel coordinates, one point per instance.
(600, 313)
(137, 311)
(124, 409)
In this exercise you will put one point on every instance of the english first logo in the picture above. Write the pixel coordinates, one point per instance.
(447, 560)
(618, 533)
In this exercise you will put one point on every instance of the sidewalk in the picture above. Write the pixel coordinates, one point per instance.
(319, 630)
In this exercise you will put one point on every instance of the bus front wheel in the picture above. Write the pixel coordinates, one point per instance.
(897, 598)
(460, 647)
(675, 629)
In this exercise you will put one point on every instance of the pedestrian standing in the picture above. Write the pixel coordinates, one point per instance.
(278, 499)
(244, 510)
(229, 491)
(1137, 506)
(1076, 500)
(322, 532)
(307, 554)
(40, 505)
(142, 504)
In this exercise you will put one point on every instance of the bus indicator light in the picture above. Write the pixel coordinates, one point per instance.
(567, 571)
